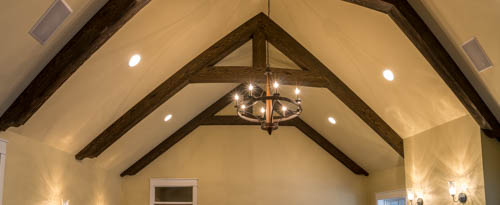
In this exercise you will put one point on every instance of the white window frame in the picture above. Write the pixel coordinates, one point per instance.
(396, 194)
(3, 157)
(169, 182)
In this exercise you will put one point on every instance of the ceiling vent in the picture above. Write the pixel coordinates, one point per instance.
(51, 19)
(477, 54)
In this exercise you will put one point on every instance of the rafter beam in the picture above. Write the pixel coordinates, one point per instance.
(235, 120)
(245, 74)
(106, 22)
(429, 46)
(303, 58)
(169, 88)
(183, 132)
(329, 147)
(259, 51)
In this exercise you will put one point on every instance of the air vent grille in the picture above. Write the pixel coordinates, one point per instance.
(51, 19)
(477, 55)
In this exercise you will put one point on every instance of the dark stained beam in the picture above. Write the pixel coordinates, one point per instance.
(303, 58)
(183, 132)
(329, 147)
(235, 120)
(169, 88)
(427, 43)
(383, 6)
(245, 74)
(259, 51)
(492, 133)
(106, 22)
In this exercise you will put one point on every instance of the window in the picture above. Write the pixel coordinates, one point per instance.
(3, 152)
(173, 191)
(391, 198)
(399, 201)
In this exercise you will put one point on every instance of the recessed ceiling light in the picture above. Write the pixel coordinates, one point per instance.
(388, 75)
(134, 60)
(332, 120)
(168, 117)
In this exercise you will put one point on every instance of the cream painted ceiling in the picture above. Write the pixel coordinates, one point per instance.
(458, 21)
(356, 43)
(21, 56)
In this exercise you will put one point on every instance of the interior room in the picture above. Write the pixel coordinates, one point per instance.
(249, 102)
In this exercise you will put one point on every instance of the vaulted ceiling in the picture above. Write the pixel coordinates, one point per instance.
(354, 42)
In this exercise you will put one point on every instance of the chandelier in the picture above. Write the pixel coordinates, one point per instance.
(273, 108)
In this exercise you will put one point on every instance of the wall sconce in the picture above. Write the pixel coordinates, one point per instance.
(411, 197)
(462, 197)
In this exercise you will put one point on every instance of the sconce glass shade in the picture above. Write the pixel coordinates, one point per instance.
(452, 188)
(464, 187)
(411, 196)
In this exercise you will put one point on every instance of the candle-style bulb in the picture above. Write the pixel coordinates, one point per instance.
(276, 85)
(452, 188)
(297, 91)
(236, 97)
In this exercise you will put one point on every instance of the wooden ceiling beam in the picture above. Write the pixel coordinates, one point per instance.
(303, 58)
(237, 121)
(408, 20)
(259, 51)
(183, 131)
(106, 22)
(169, 88)
(245, 74)
(329, 147)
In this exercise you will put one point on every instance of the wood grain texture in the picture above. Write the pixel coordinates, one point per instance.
(106, 22)
(183, 132)
(259, 52)
(429, 46)
(236, 120)
(169, 88)
(302, 57)
(245, 74)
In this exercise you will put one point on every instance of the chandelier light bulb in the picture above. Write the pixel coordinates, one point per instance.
(243, 107)
(283, 109)
(297, 91)
(236, 97)
(250, 87)
(276, 85)
(262, 110)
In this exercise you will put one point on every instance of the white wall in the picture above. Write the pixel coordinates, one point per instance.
(386, 182)
(37, 174)
(244, 165)
(491, 166)
(450, 152)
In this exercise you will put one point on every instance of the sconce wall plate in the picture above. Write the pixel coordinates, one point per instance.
(420, 201)
(462, 198)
